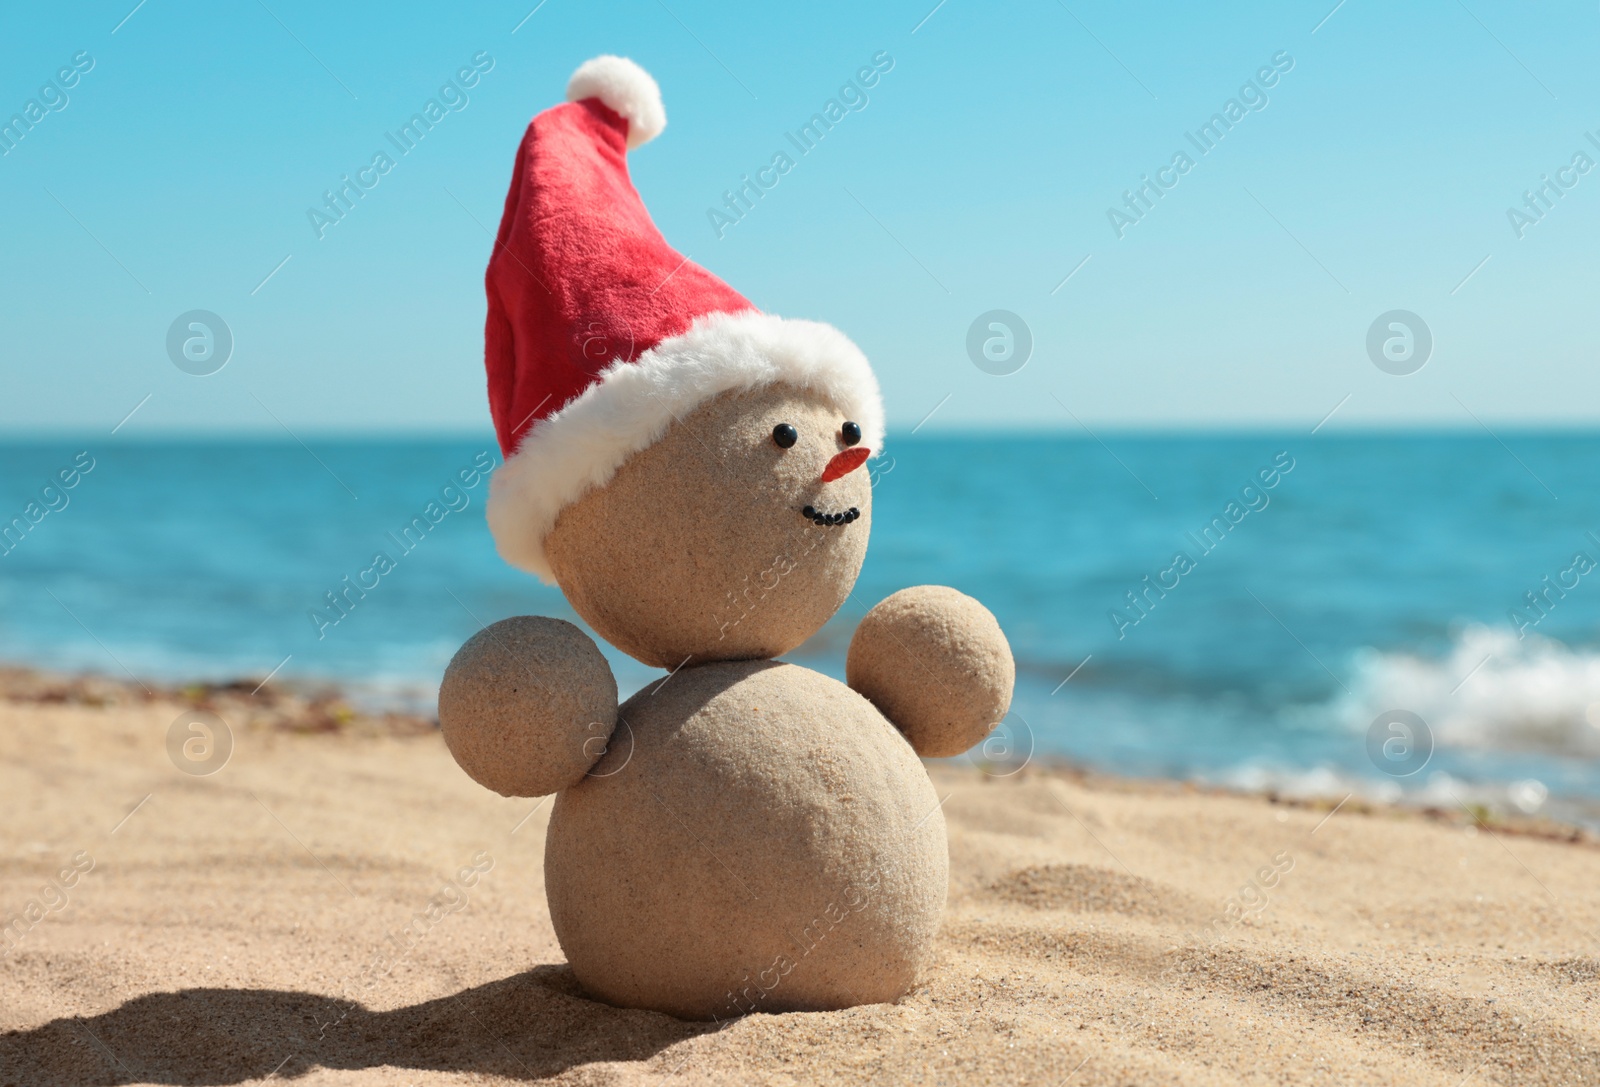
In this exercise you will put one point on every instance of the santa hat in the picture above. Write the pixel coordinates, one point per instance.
(600, 334)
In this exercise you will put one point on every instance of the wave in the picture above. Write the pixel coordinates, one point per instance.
(1492, 691)
(1514, 722)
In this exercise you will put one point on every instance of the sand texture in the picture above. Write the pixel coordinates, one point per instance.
(347, 906)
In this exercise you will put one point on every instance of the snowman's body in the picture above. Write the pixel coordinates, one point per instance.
(757, 838)
(743, 835)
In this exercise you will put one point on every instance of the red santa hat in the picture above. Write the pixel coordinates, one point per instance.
(600, 334)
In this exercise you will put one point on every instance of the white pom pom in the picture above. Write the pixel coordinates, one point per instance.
(626, 88)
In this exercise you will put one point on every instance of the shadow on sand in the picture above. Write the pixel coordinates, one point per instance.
(528, 1026)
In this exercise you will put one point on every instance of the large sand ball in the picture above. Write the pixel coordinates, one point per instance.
(936, 663)
(765, 842)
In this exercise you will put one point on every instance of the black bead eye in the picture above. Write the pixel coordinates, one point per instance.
(785, 435)
(851, 433)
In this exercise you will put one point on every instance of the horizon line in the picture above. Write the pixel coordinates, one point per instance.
(907, 432)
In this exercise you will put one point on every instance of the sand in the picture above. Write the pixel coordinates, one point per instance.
(253, 925)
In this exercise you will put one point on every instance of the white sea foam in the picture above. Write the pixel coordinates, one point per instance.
(1431, 789)
(1492, 691)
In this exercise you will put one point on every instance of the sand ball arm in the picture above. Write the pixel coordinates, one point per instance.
(936, 664)
(528, 705)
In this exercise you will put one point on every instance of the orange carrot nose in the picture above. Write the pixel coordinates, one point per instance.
(844, 463)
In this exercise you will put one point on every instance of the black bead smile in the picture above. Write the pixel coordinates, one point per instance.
(827, 519)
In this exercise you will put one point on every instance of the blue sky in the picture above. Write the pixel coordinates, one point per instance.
(1377, 177)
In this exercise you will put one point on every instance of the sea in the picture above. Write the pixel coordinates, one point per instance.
(1397, 616)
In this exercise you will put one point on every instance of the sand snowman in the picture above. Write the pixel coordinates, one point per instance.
(744, 834)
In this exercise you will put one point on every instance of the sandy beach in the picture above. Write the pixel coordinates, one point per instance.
(340, 904)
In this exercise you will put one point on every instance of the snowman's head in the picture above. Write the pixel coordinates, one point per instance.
(664, 438)
(735, 536)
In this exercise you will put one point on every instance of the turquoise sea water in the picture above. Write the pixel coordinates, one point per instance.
(1273, 625)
